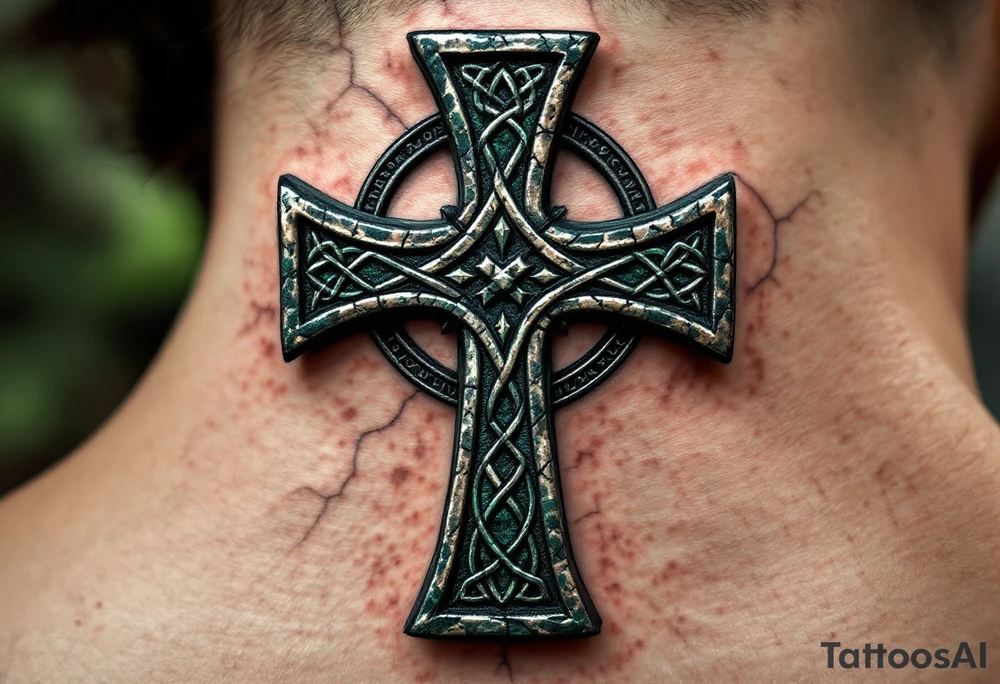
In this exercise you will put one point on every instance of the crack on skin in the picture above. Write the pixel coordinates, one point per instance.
(580, 455)
(504, 663)
(596, 511)
(328, 498)
(352, 82)
(776, 222)
(261, 311)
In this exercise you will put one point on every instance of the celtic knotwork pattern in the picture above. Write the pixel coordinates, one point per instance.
(336, 273)
(502, 557)
(485, 582)
(506, 266)
(675, 273)
(505, 98)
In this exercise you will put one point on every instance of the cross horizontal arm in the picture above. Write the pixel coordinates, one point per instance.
(339, 265)
(672, 269)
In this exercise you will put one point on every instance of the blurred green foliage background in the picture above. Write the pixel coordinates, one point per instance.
(98, 251)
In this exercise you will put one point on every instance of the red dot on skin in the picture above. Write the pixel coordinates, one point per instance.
(399, 475)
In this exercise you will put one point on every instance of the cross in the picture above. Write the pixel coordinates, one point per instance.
(504, 264)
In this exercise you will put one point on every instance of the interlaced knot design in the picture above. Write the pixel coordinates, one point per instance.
(333, 272)
(504, 97)
(506, 267)
(503, 558)
(686, 259)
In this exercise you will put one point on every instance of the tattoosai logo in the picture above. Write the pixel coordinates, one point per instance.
(899, 658)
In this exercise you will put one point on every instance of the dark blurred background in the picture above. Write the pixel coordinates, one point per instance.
(100, 244)
(99, 248)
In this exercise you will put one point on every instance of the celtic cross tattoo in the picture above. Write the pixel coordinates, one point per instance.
(504, 265)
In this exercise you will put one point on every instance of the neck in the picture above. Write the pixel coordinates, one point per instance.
(843, 203)
(850, 342)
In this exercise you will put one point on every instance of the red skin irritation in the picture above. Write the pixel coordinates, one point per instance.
(401, 68)
(639, 568)
(399, 475)
(618, 74)
(739, 151)
(390, 567)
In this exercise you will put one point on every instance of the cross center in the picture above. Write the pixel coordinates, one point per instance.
(503, 279)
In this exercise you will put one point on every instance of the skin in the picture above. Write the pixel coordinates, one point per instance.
(245, 520)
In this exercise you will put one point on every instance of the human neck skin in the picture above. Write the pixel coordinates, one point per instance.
(781, 106)
(743, 505)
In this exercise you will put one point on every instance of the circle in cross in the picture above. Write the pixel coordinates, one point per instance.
(595, 147)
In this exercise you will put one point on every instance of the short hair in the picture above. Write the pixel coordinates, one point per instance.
(277, 23)
(172, 46)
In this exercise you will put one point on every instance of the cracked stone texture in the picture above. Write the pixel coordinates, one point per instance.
(829, 484)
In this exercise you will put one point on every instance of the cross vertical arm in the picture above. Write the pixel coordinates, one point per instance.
(503, 567)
